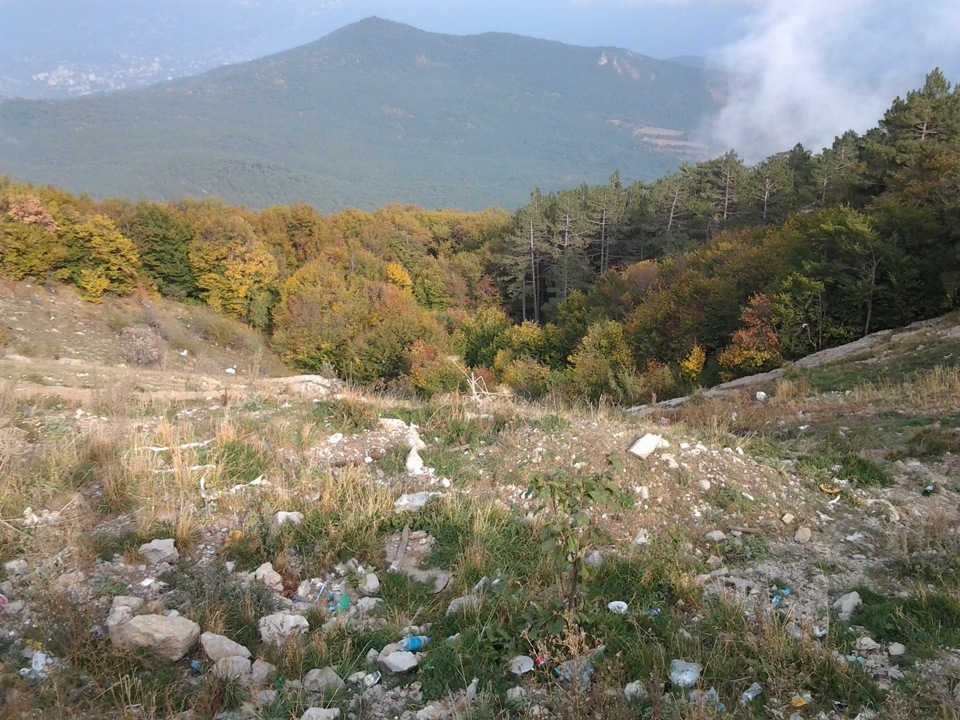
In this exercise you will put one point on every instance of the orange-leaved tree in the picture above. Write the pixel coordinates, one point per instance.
(755, 347)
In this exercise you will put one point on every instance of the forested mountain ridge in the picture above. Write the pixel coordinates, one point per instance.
(622, 291)
(376, 112)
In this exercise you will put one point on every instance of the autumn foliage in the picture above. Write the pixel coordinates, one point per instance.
(621, 292)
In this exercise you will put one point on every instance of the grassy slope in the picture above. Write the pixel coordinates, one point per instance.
(733, 464)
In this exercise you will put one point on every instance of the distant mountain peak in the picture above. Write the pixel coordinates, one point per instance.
(375, 112)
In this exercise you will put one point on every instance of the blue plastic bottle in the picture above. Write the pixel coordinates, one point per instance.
(414, 644)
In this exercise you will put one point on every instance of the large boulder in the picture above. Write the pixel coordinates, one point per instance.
(171, 637)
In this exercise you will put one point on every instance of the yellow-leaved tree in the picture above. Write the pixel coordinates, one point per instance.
(235, 271)
(101, 259)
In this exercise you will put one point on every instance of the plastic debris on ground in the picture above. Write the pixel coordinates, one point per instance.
(521, 664)
(579, 669)
(40, 665)
(684, 674)
(414, 644)
(751, 694)
(780, 595)
(707, 698)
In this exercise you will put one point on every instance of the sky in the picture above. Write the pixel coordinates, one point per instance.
(660, 29)
(803, 70)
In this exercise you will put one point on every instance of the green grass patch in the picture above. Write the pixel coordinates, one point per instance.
(901, 365)
(858, 471)
(933, 442)
(923, 622)
(346, 416)
(237, 462)
(481, 541)
(551, 423)
(217, 601)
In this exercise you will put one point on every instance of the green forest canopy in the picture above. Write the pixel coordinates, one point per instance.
(714, 271)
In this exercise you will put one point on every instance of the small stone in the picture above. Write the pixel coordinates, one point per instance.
(670, 460)
(397, 663)
(866, 644)
(787, 519)
(323, 681)
(414, 501)
(236, 667)
(704, 485)
(803, 535)
(895, 673)
(266, 697)
(371, 585)
(516, 694)
(218, 647)
(464, 602)
(635, 691)
(282, 518)
(128, 601)
(846, 604)
(321, 714)
(171, 637)
(715, 536)
(16, 567)
(159, 551)
(118, 616)
(267, 576)
(262, 672)
(414, 462)
(368, 605)
(430, 712)
(897, 649)
(276, 628)
(642, 537)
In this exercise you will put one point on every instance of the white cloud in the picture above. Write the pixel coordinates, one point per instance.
(808, 71)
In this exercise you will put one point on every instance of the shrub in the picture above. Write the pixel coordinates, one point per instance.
(603, 366)
(431, 371)
(527, 378)
(140, 346)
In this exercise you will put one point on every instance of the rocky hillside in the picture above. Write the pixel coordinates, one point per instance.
(198, 536)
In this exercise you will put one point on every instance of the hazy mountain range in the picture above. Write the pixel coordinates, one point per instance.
(376, 112)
